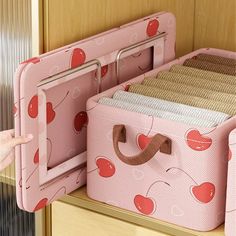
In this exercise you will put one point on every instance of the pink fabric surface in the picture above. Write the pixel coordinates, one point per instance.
(186, 188)
(230, 219)
(66, 118)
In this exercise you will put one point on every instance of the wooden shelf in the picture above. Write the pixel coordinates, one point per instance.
(79, 198)
(7, 176)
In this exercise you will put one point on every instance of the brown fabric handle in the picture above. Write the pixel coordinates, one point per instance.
(158, 142)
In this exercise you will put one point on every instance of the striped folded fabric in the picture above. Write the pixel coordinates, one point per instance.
(227, 108)
(204, 65)
(178, 108)
(189, 89)
(217, 77)
(154, 112)
(197, 82)
(216, 59)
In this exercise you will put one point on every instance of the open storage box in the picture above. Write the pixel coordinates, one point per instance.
(185, 185)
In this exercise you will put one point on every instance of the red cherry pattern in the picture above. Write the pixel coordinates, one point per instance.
(80, 120)
(204, 193)
(197, 141)
(127, 87)
(20, 182)
(229, 155)
(36, 157)
(41, 204)
(143, 141)
(78, 57)
(144, 204)
(33, 107)
(33, 60)
(14, 110)
(50, 113)
(152, 27)
(106, 167)
(104, 70)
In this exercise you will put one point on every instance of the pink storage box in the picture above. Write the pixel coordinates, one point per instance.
(230, 218)
(184, 183)
(50, 94)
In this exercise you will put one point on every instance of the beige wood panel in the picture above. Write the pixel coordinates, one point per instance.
(71, 20)
(70, 220)
(80, 199)
(8, 175)
(37, 27)
(215, 24)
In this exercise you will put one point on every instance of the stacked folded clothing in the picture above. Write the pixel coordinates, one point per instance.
(227, 108)
(202, 92)
(196, 82)
(190, 89)
(177, 108)
(216, 59)
(155, 112)
(205, 65)
(206, 75)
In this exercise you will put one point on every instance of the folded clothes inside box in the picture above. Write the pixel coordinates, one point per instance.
(206, 75)
(199, 82)
(227, 108)
(182, 98)
(163, 137)
(191, 90)
(216, 59)
(165, 105)
(206, 65)
(157, 113)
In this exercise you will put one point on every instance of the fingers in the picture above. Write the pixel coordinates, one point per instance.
(21, 140)
(12, 132)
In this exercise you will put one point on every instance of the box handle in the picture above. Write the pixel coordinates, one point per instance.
(136, 47)
(158, 142)
(83, 69)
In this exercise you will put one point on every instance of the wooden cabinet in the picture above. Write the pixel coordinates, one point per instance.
(71, 220)
(200, 23)
(68, 21)
(215, 24)
(76, 214)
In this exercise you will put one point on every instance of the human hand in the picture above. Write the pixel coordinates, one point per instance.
(8, 141)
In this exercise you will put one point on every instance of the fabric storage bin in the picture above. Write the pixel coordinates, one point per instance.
(184, 183)
(50, 94)
(230, 219)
